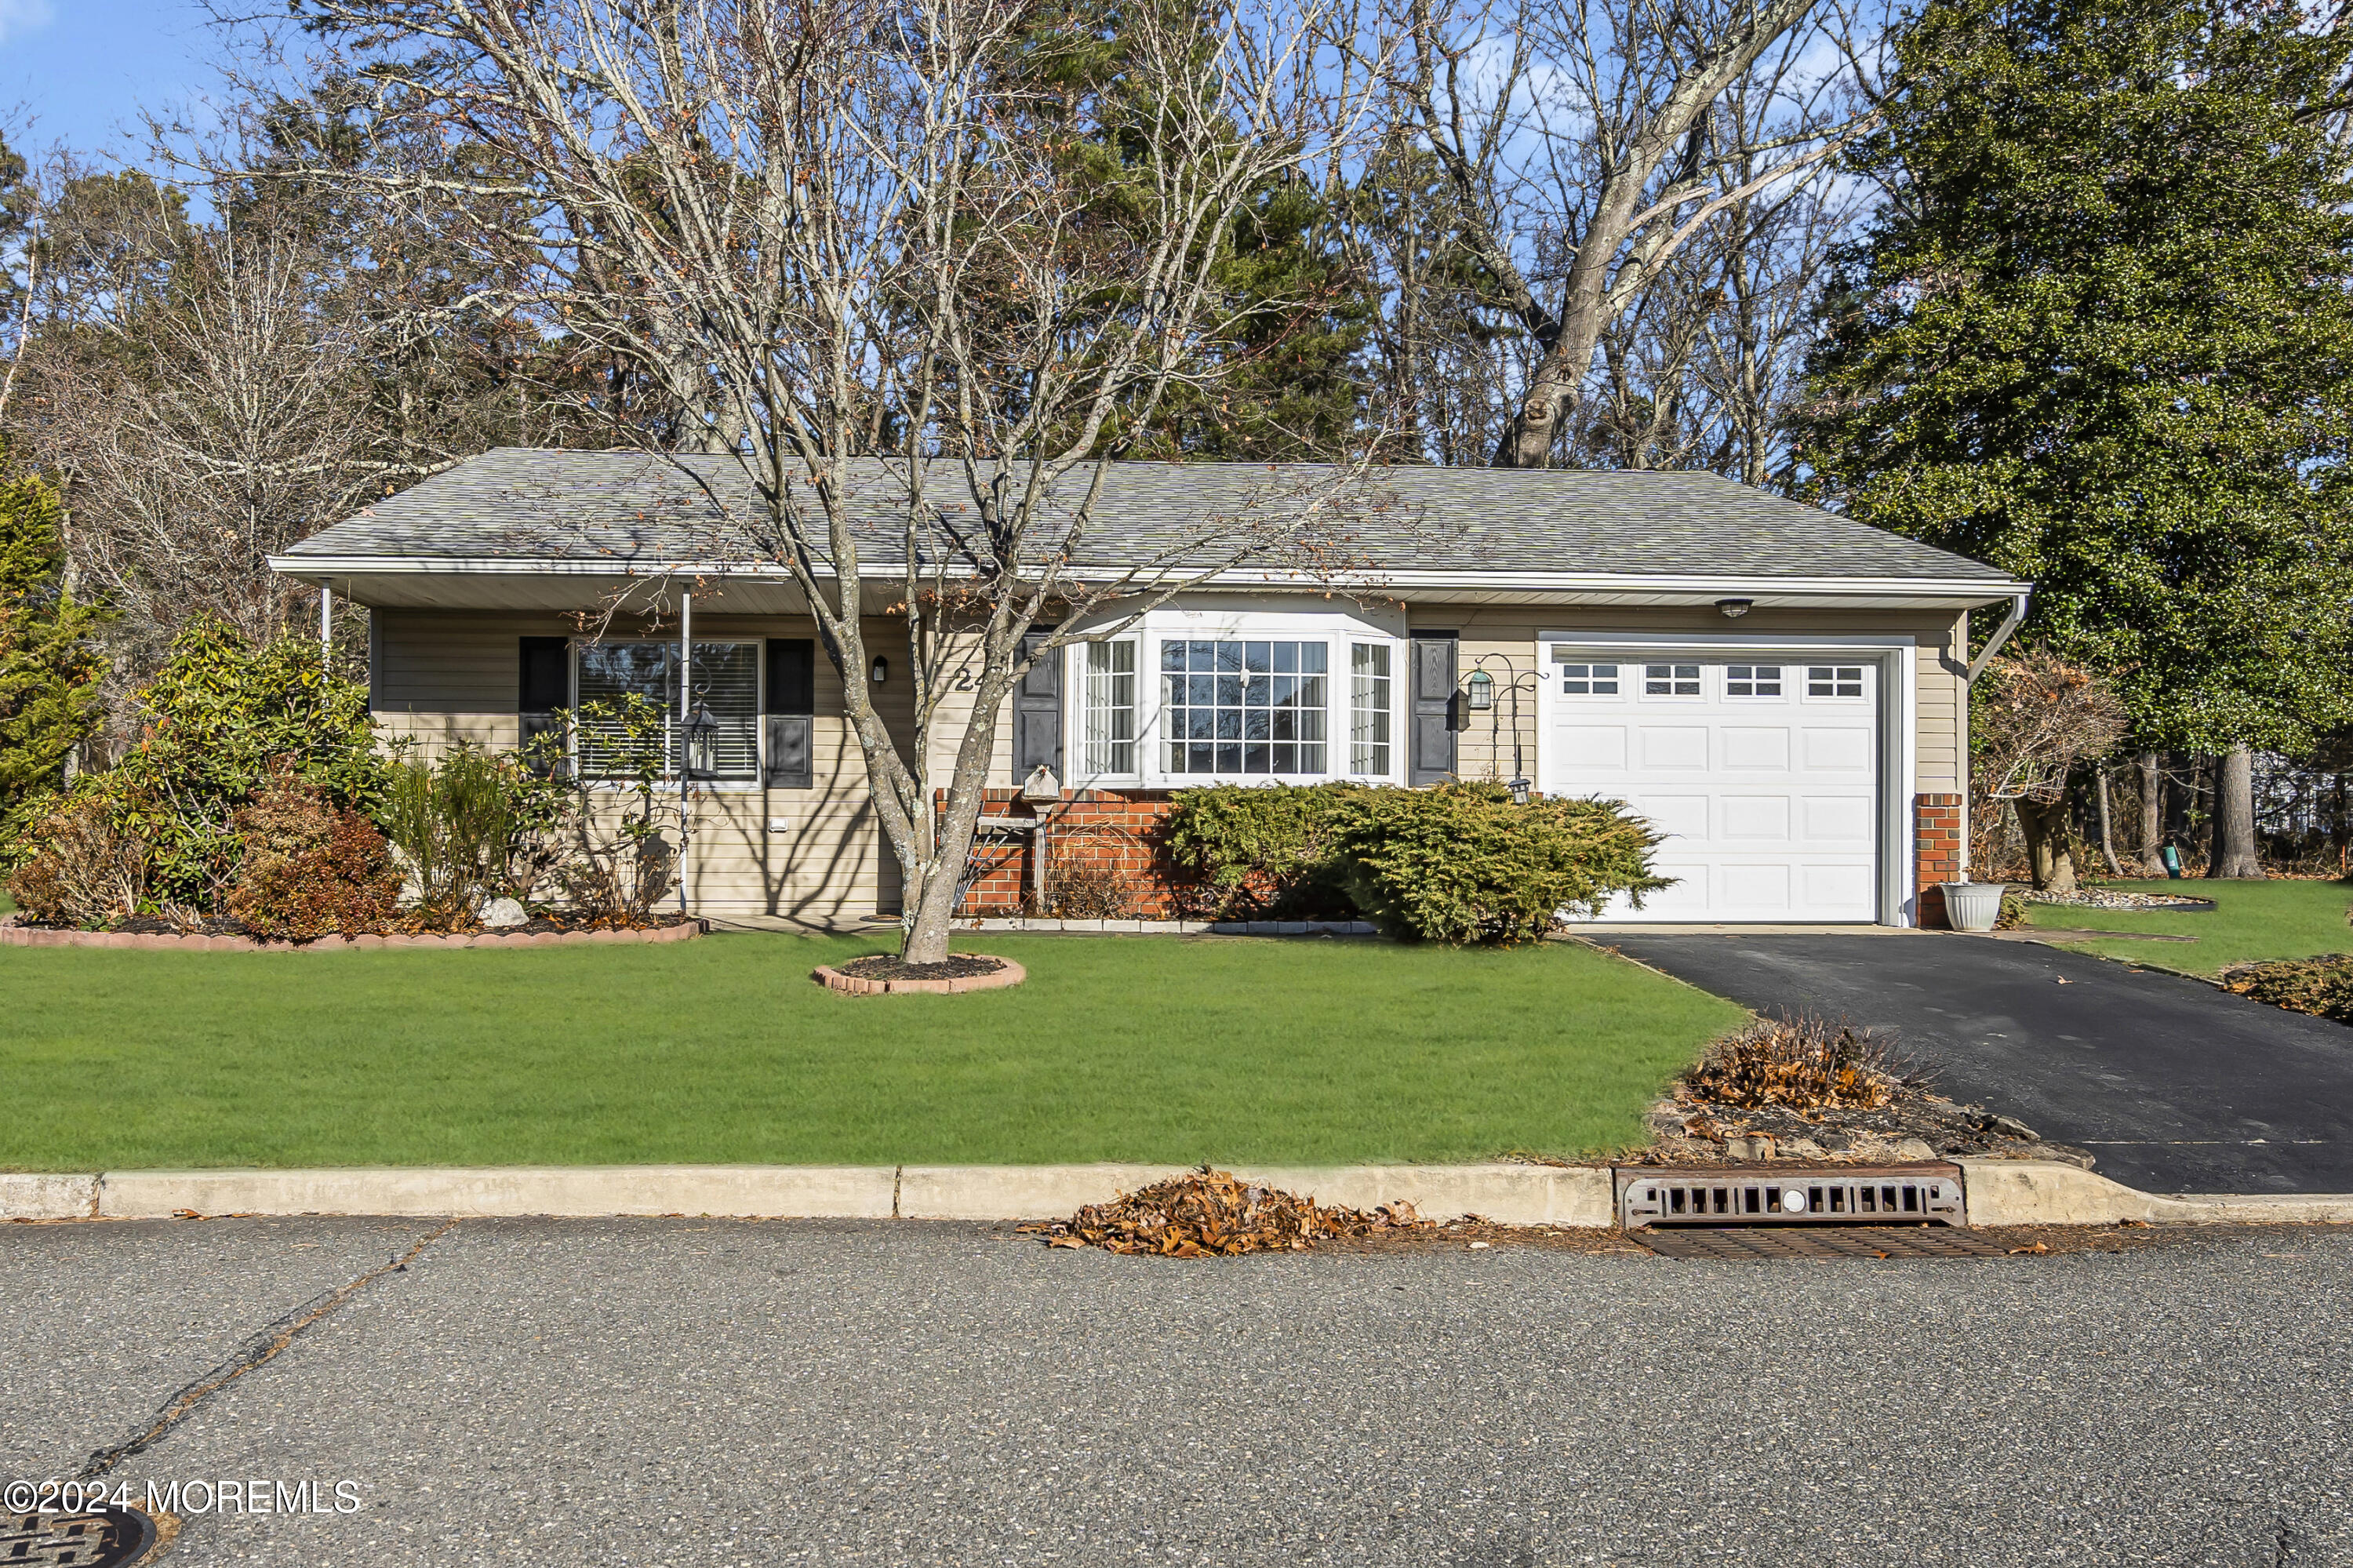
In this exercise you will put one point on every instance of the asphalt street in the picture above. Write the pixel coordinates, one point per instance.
(696, 1392)
(2175, 1086)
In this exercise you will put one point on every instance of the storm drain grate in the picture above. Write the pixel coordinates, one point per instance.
(94, 1538)
(1785, 1198)
(1740, 1242)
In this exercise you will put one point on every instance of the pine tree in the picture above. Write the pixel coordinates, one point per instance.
(2102, 336)
(49, 666)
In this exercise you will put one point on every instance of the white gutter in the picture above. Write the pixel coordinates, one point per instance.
(1977, 590)
(2010, 623)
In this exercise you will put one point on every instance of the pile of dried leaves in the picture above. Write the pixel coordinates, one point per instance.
(1804, 1063)
(1209, 1214)
(2321, 986)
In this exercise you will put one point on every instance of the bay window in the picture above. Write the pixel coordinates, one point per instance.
(725, 679)
(1111, 706)
(1243, 707)
(1368, 709)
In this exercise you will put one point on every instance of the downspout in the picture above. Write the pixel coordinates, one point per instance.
(326, 620)
(2001, 634)
(685, 706)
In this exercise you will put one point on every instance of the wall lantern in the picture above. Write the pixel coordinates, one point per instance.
(701, 728)
(1733, 608)
(1481, 687)
(881, 672)
(1519, 791)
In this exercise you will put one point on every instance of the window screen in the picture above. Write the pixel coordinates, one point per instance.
(1835, 680)
(1243, 708)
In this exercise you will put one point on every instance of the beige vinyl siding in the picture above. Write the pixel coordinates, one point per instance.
(816, 855)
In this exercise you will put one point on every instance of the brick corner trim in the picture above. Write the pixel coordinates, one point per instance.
(1936, 842)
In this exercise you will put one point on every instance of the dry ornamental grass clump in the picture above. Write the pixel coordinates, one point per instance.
(1210, 1214)
(1804, 1063)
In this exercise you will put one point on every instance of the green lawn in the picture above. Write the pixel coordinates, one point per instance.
(723, 1050)
(2251, 920)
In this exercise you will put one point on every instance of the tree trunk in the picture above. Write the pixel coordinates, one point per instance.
(2108, 825)
(2234, 817)
(2050, 862)
(2152, 817)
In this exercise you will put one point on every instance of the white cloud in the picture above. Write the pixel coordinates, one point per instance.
(21, 17)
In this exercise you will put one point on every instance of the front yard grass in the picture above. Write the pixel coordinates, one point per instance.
(723, 1051)
(2251, 920)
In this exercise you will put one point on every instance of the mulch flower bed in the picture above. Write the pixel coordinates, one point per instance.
(1806, 1089)
(1210, 1213)
(891, 967)
(2322, 987)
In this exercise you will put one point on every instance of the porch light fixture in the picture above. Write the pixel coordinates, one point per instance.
(1733, 608)
(881, 672)
(1482, 688)
(1519, 791)
(700, 727)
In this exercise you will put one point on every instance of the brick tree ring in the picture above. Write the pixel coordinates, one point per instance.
(877, 975)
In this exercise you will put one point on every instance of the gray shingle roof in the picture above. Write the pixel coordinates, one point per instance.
(631, 509)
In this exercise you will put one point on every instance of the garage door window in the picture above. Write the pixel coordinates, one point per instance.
(1588, 680)
(1670, 680)
(1835, 680)
(1752, 680)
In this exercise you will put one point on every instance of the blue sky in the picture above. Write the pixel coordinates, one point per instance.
(82, 68)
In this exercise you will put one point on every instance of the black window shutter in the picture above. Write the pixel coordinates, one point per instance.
(1436, 663)
(544, 684)
(792, 712)
(1038, 713)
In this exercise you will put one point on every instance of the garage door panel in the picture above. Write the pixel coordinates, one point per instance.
(1674, 816)
(1838, 820)
(1679, 747)
(1593, 747)
(1751, 747)
(1767, 810)
(1845, 750)
(1750, 819)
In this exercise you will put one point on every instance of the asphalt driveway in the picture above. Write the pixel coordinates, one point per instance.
(2175, 1086)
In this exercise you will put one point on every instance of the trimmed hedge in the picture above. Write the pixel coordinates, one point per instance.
(1459, 863)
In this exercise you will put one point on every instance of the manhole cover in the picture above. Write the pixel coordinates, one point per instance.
(97, 1538)
(1816, 1241)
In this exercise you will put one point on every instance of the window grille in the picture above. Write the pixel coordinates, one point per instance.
(1243, 708)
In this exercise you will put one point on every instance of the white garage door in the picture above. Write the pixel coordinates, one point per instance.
(1762, 774)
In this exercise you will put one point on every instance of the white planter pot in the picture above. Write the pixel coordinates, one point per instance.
(1973, 905)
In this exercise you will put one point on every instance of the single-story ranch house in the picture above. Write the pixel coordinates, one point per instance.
(1781, 692)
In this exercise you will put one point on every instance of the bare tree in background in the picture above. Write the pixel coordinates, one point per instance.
(845, 231)
(2035, 719)
(1586, 148)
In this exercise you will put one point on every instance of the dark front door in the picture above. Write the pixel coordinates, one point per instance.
(1436, 658)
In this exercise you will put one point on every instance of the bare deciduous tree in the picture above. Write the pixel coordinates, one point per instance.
(2034, 720)
(1584, 148)
(919, 291)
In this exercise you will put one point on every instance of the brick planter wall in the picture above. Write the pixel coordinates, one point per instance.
(1936, 853)
(1119, 831)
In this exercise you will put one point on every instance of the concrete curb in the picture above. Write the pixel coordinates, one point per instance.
(1999, 1193)
(2046, 1193)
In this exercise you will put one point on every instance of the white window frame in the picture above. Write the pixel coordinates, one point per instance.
(1337, 630)
(1672, 663)
(1083, 657)
(1895, 656)
(673, 765)
(1806, 684)
(1780, 668)
(1557, 665)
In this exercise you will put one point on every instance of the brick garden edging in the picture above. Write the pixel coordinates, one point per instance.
(833, 979)
(15, 935)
